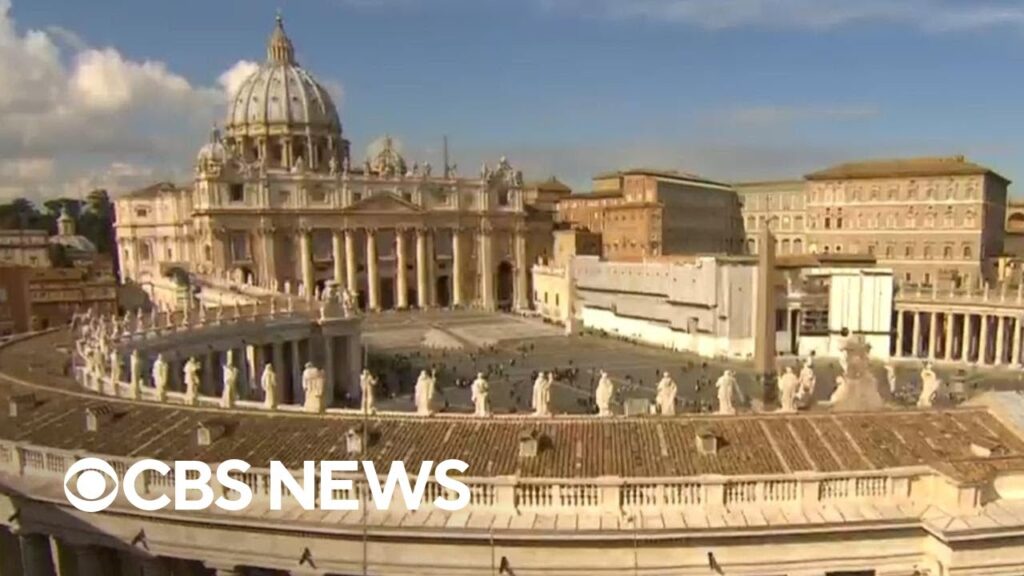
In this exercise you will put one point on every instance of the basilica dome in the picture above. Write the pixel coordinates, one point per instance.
(282, 100)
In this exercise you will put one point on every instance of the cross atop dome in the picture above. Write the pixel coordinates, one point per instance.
(279, 47)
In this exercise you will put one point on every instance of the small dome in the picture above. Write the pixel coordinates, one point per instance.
(281, 93)
(213, 151)
(387, 161)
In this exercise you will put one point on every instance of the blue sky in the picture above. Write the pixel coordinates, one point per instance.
(733, 89)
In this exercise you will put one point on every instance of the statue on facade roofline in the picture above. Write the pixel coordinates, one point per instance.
(227, 397)
(115, 371)
(332, 166)
(929, 386)
(135, 373)
(807, 382)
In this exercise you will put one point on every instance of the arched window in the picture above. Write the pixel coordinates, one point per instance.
(908, 251)
(786, 247)
(890, 251)
(947, 252)
(798, 246)
(968, 253)
(751, 246)
(927, 252)
(969, 220)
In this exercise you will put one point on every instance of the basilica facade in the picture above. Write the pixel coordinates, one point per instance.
(278, 199)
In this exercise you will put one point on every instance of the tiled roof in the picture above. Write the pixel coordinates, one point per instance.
(574, 447)
(903, 168)
(152, 190)
(667, 174)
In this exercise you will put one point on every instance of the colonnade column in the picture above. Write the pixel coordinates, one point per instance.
(88, 560)
(899, 333)
(350, 261)
(457, 265)
(933, 335)
(306, 248)
(948, 348)
(279, 372)
(421, 268)
(401, 280)
(486, 257)
(372, 279)
(983, 340)
(1000, 339)
(522, 298)
(915, 340)
(337, 252)
(965, 339)
(1015, 341)
(36, 557)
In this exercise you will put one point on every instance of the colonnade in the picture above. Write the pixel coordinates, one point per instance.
(39, 554)
(345, 265)
(983, 337)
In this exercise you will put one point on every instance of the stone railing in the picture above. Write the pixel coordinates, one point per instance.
(597, 496)
(1001, 296)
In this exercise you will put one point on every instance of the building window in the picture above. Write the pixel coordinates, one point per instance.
(141, 212)
(318, 194)
(908, 251)
(145, 252)
(236, 193)
(240, 246)
(947, 252)
(927, 252)
(968, 253)
(890, 251)
(798, 246)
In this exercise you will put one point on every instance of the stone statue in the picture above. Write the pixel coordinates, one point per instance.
(115, 372)
(160, 377)
(135, 373)
(666, 396)
(313, 385)
(268, 381)
(890, 376)
(347, 302)
(858, 389)
(288, 287)
(807, 382)
(542, 394)
(726, 385)
(367, 382)
(230, 380)
(480, 390)
(788, 386)
(299, 166)
(603, 394)
(192, 368)
(332, 166)
(424, 393)
(929, 386)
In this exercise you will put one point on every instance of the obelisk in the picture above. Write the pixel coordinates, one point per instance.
(764, 315)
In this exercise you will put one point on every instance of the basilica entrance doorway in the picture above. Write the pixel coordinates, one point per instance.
(506, 282)
(444, 296)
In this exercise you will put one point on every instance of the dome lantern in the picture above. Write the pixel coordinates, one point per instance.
(279, 47)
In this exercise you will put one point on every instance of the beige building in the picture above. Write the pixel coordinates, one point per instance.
(25, 248)
(932, 220)
(780, 203)
(553, 297)
(646, 213)
(277, 199)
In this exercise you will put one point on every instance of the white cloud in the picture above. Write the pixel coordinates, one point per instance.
(773, 116)
(933, 15)
(233, 77)
(73, 116)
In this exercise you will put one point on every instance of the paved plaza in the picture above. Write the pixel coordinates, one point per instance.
(510, 350)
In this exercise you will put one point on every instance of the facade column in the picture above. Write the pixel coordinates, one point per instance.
(337, 253)
(401, 279)
(209, 370)
(948, 348)
(329, 370)
(351, 280)
(916, 335)
(899, 333)
(1015, 343)
(268, 254)
(421, 268)
(933, 334)
(486, 258)
(36, 557)
(1000, 339)
(431, 270)
(306, 247)
(296, 394)
(983, 341)
(88, 560)
(372, 277)
(457, 266)
(965, 339)
(522, 299)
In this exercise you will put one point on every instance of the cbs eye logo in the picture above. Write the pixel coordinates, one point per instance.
(92, 478)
